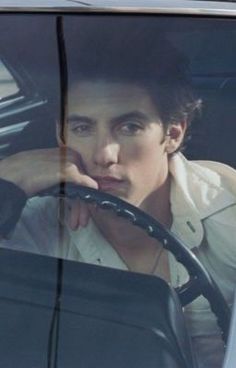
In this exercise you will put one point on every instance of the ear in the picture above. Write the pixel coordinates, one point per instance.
(58, 135)
(174, 136)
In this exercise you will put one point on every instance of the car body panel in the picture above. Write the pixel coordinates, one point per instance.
(147, 6)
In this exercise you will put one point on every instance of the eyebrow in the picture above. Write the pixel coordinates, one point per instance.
(80, 118)
(75, 118)
(131, 115)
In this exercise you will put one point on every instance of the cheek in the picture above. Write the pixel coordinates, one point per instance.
(84, 147)
(147, 165)
(142, 153)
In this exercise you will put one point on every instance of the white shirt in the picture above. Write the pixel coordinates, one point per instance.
(203, 205)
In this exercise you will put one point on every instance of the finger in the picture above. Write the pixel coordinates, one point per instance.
(87, 181)
(79, 215)
(74, 214)
(69, 155)
(84, 214)
(74, 170)
(73, 175)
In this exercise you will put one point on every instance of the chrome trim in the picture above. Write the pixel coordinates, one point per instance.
(15, 128)
(10, 101)
(178, 7)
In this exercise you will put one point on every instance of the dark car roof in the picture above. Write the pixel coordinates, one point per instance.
(160, 6)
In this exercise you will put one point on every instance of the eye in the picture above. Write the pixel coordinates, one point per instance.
(131, 127)
(81, 128)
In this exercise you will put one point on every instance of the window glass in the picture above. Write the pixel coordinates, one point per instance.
(8, 85)
(123, 106)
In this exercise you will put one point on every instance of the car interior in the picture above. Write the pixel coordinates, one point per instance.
(71, 304)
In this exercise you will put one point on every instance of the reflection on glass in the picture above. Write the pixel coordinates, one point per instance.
(8, 86)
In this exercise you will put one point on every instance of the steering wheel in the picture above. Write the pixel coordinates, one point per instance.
(199, 283)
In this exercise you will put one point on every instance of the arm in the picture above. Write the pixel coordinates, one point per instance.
(25, 174)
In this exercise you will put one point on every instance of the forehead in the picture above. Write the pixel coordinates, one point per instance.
(107, 96)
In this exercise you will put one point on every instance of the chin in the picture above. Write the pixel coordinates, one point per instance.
(117, 193)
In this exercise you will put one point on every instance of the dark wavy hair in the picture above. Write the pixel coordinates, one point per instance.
(134, 50)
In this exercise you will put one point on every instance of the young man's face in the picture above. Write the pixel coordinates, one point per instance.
(116, 129)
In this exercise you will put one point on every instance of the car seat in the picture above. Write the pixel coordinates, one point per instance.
(57, 313)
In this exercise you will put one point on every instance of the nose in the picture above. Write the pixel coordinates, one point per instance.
(106, 151)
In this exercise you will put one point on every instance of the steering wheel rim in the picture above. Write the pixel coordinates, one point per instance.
(199, 283)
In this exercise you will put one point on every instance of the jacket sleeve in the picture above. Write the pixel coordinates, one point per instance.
(38, 229)
(219, 253)
(12, 202)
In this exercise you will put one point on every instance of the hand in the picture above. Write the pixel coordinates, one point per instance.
(78, 213)
(36, 170)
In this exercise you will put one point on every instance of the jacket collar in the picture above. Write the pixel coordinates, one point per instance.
(198, 190)
(196, 187)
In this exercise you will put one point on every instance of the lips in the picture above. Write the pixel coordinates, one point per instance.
(108, 182)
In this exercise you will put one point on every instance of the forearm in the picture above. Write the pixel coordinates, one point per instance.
(12, 202)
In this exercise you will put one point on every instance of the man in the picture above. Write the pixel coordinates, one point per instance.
(128, 111)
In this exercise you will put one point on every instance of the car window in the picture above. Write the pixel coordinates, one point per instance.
(31, 73)
(8, 84)
(101, 115)
(58, 114)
